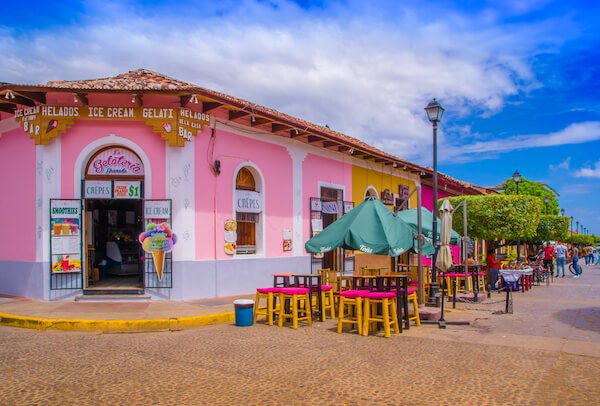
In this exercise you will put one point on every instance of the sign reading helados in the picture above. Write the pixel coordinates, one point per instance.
(158, 239)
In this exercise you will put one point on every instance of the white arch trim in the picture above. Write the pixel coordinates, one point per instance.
(112, 139)
(262, 248)
(373, 188)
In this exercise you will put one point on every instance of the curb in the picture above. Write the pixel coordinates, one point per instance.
(165, 324)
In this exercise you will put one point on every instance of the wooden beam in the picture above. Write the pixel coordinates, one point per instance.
(39, 97)
(82, 98)
(8, 107)
(234, 115)
(279, 127)
(22, 100)
(314, 138)
(343, 148)
(184, 100)
(256, 121)
(208, 106)
(379, 160)
(328, 144)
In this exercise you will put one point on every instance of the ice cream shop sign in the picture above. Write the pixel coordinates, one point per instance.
(115, 161)
(175, 125)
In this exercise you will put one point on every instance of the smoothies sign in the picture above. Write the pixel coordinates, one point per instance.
(175, 125)
(65, 236)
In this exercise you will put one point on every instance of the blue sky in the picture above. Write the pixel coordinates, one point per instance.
(520, 80)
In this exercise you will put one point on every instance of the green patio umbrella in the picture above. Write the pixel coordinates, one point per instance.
(410, 216)
(370, 227)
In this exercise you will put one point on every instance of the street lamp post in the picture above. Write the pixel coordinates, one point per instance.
(434, 114)
(517, 179)
(546, 199)
(571, 226)
(562, 212)
(577, 226)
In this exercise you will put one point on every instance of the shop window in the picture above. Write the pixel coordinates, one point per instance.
(248, 219)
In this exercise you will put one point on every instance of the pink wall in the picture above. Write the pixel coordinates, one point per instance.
(86, 131)
(18, 180)
(275, 164)
(317, 169)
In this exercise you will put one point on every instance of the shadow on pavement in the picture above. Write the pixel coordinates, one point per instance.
(586, 318)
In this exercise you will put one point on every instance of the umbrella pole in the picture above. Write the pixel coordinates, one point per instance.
(420, 278)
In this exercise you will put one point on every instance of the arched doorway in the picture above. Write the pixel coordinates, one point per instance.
(113, 191)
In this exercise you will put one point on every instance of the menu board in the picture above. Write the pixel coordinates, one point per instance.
(65, 235)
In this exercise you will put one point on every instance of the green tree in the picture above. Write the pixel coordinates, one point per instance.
(498, 217)
(531, 188)
(552, 228)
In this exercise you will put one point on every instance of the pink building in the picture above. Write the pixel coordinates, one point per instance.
(88, 165)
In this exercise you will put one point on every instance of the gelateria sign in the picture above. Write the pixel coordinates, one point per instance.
(115, 161)
(175, 125)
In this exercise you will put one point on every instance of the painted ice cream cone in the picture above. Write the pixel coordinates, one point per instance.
(159, 262)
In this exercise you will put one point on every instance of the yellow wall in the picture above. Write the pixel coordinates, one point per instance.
(380, 178)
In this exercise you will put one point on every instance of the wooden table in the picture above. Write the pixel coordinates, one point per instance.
(400, 284)
(312, 282)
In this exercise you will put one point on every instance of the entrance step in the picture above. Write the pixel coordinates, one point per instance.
(113, 298)
(113, 291)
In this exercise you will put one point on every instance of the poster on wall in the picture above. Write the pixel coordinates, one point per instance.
(315, 204)
(127, 189)
(230, 246)
(65, 236)
(330, 208)
(348, 206)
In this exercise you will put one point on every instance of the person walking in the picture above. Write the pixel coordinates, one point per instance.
(493, 267)
(548, 255)
(575, 257)
(561, 258)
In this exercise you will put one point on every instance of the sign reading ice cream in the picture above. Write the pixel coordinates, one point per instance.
(176, 125)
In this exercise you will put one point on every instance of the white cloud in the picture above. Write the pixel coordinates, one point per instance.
(564, 165)
(364, 69)
(573, 134)
(589, 172)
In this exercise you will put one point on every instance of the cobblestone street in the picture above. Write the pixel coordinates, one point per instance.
(547, 352)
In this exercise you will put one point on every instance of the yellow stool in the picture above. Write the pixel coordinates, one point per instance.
(350, 309)
(388, 315)
(481, 282)
(412, 297)
(327, 301)
(299, 302)
(270, 308)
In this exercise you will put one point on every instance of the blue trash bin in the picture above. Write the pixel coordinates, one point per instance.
(244, 312)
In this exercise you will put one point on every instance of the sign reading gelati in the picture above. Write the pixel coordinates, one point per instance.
(115, 161)
(247, 201)
(176, 125)
(127, 189)
(97, 189)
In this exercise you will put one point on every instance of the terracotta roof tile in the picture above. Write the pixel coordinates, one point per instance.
(140, 79)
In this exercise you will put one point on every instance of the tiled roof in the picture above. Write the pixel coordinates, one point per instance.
(140, 79)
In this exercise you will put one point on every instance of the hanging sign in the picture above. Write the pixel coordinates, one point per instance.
(348, 206)
(175, 125)
(115, 161)
(97, 189)
(387, 197)
(247, 201)
(403, 191)
(330, 208)
(127, 189)
(157, 210)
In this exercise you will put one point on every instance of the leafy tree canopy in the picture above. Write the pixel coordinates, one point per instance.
(531, 188)
(498, 217)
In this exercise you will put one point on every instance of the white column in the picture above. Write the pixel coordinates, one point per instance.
(48, 184)
(180, 188)
(298, 156)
